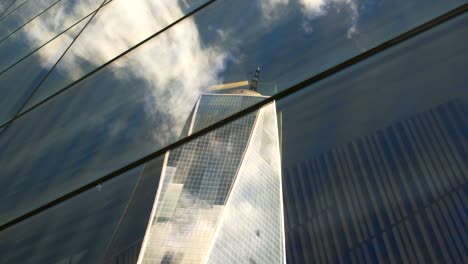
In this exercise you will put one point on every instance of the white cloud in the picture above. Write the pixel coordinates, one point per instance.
(311, 9)
(173, 66)
(315, 8)
(47, 26)
(176, 68)
(187, 233)
(270, 8)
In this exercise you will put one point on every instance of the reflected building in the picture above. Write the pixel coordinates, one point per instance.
(219, 199)
(394, 195)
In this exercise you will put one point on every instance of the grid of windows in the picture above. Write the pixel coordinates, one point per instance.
(91, 90)
(216, 107)
(251, 229)
(197, 179)
(221, 195)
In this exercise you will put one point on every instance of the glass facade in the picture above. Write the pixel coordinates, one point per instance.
(231, 174)
(211, 131)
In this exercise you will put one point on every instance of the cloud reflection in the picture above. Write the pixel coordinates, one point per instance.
(312, 9)
(173, 68)
(316, 8)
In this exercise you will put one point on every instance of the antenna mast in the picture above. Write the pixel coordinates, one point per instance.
(256, 77)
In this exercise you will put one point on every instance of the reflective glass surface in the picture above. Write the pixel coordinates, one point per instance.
(375, 158)
(116, 28)
(125, 245)
(61, 15)
(13, 7)
(12, 21)
(42, 29)
(79, 230)
(140, 102)
(5, 6)
(251, 226)
(90, 131)
(19, 82)
(196, 181)
(289, 40)
(220, 195)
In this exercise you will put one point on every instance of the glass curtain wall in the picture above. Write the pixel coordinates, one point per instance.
(373, 159)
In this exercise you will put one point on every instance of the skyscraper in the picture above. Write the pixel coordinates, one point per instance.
(123, 123)
(220, 197)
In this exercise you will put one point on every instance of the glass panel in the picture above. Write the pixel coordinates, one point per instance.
(220, 196)
(213, 174)
(5, 6)
(85, 133)
(43, 29)
(78, 230)
(18, 82)
(289, 40)
(197, 178)
(140, 102)
(251, 228)
(114, 30)
(127, 239)
(16, 4)
(13, 21)
(55, 20)
(375, 158)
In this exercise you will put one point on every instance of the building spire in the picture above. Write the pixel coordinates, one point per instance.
(256, 77)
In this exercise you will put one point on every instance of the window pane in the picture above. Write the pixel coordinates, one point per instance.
(75, 231)
(289, 40)
(375, 158)
(18, 82)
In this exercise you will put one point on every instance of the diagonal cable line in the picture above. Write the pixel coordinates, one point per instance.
(29, 21)
(107, 63)
(300, 86)
(16, 8)
(55, 65)
(50, 40)
(6, 9)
